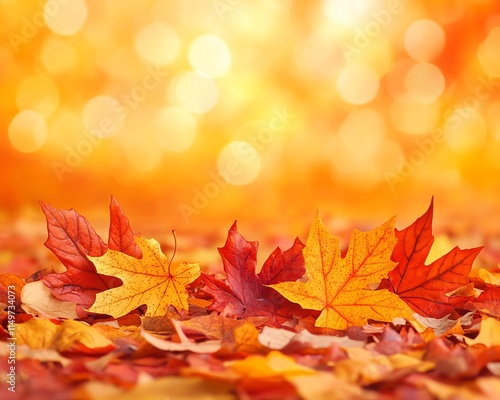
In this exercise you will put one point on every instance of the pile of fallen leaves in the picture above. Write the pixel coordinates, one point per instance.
(123, 321)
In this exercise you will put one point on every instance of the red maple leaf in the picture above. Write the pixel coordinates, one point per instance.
(489, 301)
(71, 238)
(424, 287)
(243, 293)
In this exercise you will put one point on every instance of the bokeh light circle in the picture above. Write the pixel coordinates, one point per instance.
(424, 40)
(103, 116)
(65, 18)
(239, 163)
(196, 93)
(358, 84)
(488, 53)
(424, 83)
(210, 56)
(157, 44)
(28, 131)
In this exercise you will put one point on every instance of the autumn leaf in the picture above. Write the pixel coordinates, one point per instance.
(235, 335)
(121, 237)
(337, 286)
(40, 333)
(424, 287)
(489, 301)
(275, 364)
(72, 239)
(10, 289)
(489, 334)
(244, 293)
(151, 280)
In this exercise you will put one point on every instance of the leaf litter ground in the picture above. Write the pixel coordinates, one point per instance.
(125, 320)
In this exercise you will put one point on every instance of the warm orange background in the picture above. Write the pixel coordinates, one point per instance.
(364, 83)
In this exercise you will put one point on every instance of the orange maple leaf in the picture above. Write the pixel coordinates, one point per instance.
(337, 285)
(150, 280)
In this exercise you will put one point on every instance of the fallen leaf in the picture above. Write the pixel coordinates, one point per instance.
(443, 391)
(235, 335)
(208, 346)
(424, 287)
(37, 300)
(275, 364)
(71, 238)
(337, 286)
(244, 293)
(325, 386)
(10, 289)
(40, 333)
(165, 388)
(277, 339)
(121, 237)
(151, 280)
(489, 301)
(489, 334)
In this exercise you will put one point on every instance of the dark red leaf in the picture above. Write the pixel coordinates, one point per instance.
(243, 293)
(71, 238)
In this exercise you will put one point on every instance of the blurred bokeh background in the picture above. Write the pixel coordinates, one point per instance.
(193, 113)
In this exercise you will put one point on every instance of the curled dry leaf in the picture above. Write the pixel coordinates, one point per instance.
(37, 300)
(40, 333)
(209, 346)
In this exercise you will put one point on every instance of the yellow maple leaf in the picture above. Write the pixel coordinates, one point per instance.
(337, 285)
(150, 280)
(489, 334)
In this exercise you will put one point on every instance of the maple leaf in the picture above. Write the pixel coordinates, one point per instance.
(244, 293)
(72, 239)
(489, 301)
(424, 287)
(336, 285)
(151, 280)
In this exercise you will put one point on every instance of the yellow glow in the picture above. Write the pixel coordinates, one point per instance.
(239, 163)
(425, 83)
(414, 118)
(65, 19)
(362, 133)
(358, 84)
(196, 93)
(396, 77)
(38, 93)
(157, 44)
(102, 116)
(210, 56)
(251, 18)
(424, 40)
(175, 129)
(58, 55)
(489, 54)
(28, 131)
(142, 155)
(345, 12)
(466, 131)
